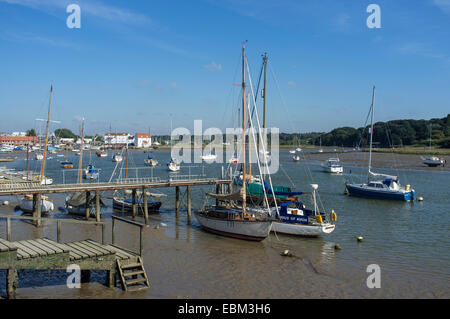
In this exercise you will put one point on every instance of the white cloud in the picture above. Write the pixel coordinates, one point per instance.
(444, 5)
(213, 67)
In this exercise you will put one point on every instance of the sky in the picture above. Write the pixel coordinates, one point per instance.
(139, 66)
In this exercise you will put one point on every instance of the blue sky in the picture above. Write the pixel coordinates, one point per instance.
(135, 65)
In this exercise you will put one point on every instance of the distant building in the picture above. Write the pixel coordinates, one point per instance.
(18, 140)
(18, 134)
(118, 139)
(66, 141)
(143, 140)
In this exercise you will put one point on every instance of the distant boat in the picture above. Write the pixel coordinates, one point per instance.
(296, 158)
(117, 158)
(292, 151)
(333, 165)
(149, 161)
(239, 178)
(66, 164)
(433, 161)
(91, 172)
(209, 157)
(39, 157)
(101, 154)
(381, 186)
(298, 149)
(233, 160)
(173, 166)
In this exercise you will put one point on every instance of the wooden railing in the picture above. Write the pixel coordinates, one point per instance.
(131, 222)
(53, 220)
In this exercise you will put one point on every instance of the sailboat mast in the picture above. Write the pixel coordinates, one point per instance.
(264, 92)
(371, 128)
(430, 135)
(46, 135)
(81, 153)
(244, 173)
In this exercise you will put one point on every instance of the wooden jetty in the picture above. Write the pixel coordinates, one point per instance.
(43, 253)
(134, 184)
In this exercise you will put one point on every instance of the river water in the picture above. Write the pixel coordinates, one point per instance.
(409, 241)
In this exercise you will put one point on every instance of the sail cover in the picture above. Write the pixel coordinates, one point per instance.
(79, 199)
(383, 176)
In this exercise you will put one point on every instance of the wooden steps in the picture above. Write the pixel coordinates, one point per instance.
(133, 276)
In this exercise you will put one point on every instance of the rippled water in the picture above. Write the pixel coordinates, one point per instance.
(409, 241)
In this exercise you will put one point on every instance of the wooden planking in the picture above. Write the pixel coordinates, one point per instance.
(39, 251)
(92, 252)
(120, 253)
(63, 247)
(8, 244)
(55, 248)
(25, 251)
(97, 247)
(3, 247)
(37, 245)
(80, 252)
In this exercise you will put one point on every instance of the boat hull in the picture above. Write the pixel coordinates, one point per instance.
(247, 230)
(127, 206)
(302, 230)
(26, 205)
(361, 191)
(333, 170)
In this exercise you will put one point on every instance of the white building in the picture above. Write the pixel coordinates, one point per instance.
(143, 140)
(19, 134)
(118, 139)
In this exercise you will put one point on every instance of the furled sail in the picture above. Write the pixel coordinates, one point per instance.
(383, 176)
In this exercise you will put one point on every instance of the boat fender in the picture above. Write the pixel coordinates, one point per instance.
(333, 216)
(345, 191)
(420, 199)
(408, 187)
(319, 219)
(337, 247)
(360, 238)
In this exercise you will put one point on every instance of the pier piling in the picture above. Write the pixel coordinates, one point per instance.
(97, 205)
(133, 192)
(88, 199)
(38, 209)
(144, 194)
(189, 203)
(177, 200)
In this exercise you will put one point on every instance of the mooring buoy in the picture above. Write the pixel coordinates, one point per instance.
(360, 238)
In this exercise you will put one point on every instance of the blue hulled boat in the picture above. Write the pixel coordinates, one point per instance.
(380, 186)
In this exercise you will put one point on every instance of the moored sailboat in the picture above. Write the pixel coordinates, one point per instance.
(240, 222)
(380, 186)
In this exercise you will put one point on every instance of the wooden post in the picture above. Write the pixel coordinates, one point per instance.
(85, 276)
(189, 203)
(134, 202)
(217, 192)
(111, 277)
(58, 231)
(103, 234)
(8, 229)
(141, 241)
(38, 209)
(11, 283)
(177, 200)
(113, 231)
(144, 194)
(88, 199)
(97, 205)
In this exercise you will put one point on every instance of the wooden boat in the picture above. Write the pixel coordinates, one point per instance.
(76, 204)
(150, 161)
(66, 164)
(242, 222)
(26, 204)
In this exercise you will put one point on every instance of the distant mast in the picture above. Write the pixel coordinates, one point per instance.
(244, 173)
(81, 153)
(371, 129)
(46, 135)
